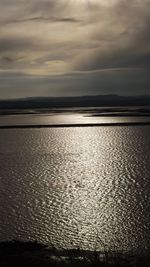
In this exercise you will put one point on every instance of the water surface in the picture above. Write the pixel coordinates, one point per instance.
(86, 187)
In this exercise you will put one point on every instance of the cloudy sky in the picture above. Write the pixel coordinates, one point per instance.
(74, 47)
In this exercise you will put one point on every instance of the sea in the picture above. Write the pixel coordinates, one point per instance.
(85, 186)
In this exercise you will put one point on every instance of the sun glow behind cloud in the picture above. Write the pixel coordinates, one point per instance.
(89, 44)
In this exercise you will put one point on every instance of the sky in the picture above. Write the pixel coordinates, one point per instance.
(74, 47)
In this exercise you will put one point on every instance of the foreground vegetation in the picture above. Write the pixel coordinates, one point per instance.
(26, 254)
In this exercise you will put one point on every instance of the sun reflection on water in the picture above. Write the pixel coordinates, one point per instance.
(76, 187)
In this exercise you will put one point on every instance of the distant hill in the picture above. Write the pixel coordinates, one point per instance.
(79, 101)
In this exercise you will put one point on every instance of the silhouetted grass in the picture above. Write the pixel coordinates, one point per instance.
(26, 254)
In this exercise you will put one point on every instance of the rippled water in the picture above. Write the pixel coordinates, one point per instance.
(87, 187)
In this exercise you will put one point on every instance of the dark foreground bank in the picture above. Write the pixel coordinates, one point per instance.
(26, 254)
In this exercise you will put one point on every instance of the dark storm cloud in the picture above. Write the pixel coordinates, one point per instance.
(46, 19)
(53, 19)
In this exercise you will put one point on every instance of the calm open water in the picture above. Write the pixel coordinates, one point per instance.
(76, 187)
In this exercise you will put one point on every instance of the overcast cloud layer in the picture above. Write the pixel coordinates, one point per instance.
(74, 47)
